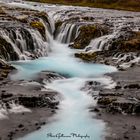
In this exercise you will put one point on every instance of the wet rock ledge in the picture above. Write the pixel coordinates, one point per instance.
(120, 106)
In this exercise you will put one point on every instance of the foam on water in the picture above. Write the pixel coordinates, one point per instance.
(73, 115)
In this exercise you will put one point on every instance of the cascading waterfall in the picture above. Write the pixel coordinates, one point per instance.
(101, 43)
(76, 102)
(73, 114)
(5, 34)
(67, 33)
(25, 43)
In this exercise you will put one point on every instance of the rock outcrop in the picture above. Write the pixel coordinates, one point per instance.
(22, 33)
(124, 49)
(124, 97)
(29, 94)
(5, 69)
(87, 33)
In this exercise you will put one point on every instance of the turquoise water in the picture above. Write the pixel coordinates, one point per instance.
(73, 118)
(61, 60)
(61, 65)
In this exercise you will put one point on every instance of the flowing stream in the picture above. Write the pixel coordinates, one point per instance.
(73, 118)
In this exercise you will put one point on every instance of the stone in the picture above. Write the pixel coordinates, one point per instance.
(106, 100)
(96, 109)
(133, 127)
(88, 32)
(6, 95)
(132, 86)
(39, 127)
(20, 126)
(118, 87)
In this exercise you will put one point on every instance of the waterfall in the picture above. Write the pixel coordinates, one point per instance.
(67, 33)
(99, 44)
(26, 43)
(6, 35)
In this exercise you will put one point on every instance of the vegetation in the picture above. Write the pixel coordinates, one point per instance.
(86, 56)
(131, 5)
(88, 32)
(39, 26)
(132, 44)
(129, 44)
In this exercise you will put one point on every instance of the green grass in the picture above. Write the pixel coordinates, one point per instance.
(130, 5)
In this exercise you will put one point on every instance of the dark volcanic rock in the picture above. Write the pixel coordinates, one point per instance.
(5, 69)
(119, 105)
(125, 97)
(132, 86)
(41, 101)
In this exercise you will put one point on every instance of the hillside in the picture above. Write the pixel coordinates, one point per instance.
(131, 5)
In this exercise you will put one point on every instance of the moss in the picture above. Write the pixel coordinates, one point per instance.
(39, 26)
(131, 5)
(87, 33)
(132, 44)
(86, 56)
(58, 24)
(106, 100)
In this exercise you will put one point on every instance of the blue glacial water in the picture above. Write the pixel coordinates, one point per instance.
(73, 118)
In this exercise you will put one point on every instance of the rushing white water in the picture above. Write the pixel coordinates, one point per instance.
(73, 115)
(100, 43)
(66, 33)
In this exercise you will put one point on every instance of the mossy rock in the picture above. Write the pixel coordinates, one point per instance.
(58, 24)
(42, 15)
(5, 69)
(106, 100)
(39, 26)
(86, 56)
(131, 45)
(2, 12)
(87, 33)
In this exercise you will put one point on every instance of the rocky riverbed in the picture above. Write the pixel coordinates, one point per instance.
(119, 107)
(26, 105)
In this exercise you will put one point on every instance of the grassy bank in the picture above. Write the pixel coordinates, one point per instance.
(130, 5)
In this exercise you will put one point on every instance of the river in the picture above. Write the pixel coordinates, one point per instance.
(73, 115)
(73, 119)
